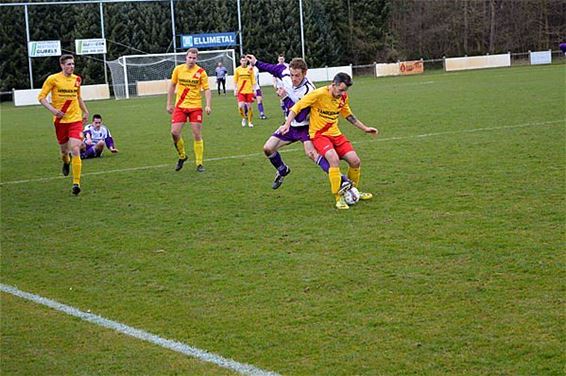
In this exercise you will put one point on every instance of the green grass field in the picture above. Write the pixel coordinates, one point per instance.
(456, 267)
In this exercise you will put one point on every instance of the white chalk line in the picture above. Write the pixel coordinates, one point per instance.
(288, 150)
(203, 355)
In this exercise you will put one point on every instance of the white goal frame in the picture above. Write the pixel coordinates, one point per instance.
(123, 84)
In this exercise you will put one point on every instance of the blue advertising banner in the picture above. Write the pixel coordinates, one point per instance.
(208, 40)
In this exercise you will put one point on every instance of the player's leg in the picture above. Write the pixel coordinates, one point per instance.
(325, 146)
(311, 152)
(259, 97)
(354, 172)
(66, 158)
(179, 143)
(63, 140)
(243, 111)
(99, 148)
(224, 85)
(218, 84)
(198, 142)
(76, 163)
(75, 139)
(250, 112)
(87, 151)
(270, 149)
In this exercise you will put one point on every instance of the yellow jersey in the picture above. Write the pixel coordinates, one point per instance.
(325, 110)
(65, 93)
(190, 82)
(244, 80)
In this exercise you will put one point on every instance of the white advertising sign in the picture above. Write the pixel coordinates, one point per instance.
(44, 48)
(541, 57)
(90, 46)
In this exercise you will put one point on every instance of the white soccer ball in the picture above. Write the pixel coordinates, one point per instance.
(352, 196)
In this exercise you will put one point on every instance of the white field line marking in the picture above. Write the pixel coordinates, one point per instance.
(290, 150)
(203, 355)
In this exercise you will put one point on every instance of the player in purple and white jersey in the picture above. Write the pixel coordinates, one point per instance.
(259, 95)
(294, 85)
(96, 136)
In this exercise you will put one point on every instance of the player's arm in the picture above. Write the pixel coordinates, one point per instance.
(273, 69)
(207, 94)
(42, 97)
(302, 104)
(208, 100)
(236, 78)
(171, 86)
(170, 94)
(88, 136)
(84, 109)
(358, 124)
(109, 141)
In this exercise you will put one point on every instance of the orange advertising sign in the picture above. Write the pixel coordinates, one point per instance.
(411, 67)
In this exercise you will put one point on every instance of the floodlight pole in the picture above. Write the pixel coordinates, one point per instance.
(240, 30)
(172, 6)
(302, 29)
(103, 37)
(27, 45)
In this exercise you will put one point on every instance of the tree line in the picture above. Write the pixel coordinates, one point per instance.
(336, 32)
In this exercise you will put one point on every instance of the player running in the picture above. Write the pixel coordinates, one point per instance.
(69, 114)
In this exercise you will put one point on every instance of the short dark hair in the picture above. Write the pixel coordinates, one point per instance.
(65, 57)
(96, 116)
(343, 78)
(298, 63)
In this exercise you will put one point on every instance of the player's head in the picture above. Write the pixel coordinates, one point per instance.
(281, 59)
(219, 64)
(243, 61)
(96, 120)
(192, 57)
(67, 63)
(340, 84)
(298, 69)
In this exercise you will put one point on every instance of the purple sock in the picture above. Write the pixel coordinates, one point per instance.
(260, 108)
(323, 163)
(277, 162)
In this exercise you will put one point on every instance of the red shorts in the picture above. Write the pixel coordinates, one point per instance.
(64, 131)
(180, 115)
(339, 143)
(248, 98)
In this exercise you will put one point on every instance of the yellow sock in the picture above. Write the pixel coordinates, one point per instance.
(65, 158)
(180, 146)
(242, 113)
(250, 115)
(199, 151)
(354, 175)
(76, 165)
(335, 179)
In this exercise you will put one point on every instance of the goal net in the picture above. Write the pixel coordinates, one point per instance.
(138, 75)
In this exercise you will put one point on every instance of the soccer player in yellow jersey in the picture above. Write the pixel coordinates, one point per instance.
(326, 105)
(69, 113)
(189, 79)
(244, 81)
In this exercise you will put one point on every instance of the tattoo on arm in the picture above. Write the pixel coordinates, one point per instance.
(352, 119)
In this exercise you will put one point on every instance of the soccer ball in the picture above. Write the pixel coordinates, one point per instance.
(352, 196)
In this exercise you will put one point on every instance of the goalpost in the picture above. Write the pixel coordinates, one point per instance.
(138, 75)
